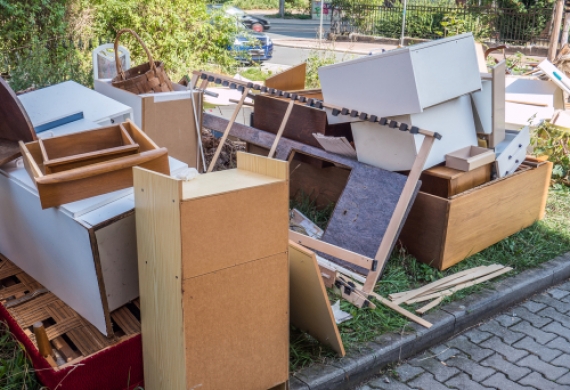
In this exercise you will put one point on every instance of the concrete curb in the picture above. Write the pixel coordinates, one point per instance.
(450, 320)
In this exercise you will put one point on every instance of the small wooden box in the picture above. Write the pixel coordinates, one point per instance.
(76, 172)
(442, 232)
(445, 182)
(85, 148)
(214, 277)
(469, 158)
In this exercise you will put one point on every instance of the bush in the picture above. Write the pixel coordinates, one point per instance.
(36, 48)
(554, 142)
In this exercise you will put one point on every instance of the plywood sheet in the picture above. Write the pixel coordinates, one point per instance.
(310, 307)
(159, 252)
(252, 221)
(250, 329)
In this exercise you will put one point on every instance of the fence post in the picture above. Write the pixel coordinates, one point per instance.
(552, 48)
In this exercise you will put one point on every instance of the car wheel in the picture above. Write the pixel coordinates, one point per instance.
(257, 27)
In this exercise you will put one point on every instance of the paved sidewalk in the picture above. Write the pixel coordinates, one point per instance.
(341, 46)
(527, 347)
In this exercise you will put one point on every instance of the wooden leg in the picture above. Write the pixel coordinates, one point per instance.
(401, 207)
(227, 131)
(193, 81)
(281, 128)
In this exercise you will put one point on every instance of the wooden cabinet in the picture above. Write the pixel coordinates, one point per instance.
(214, 277)
(442, 232)
(445, 182)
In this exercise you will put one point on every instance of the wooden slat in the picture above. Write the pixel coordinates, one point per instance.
(281, 128)
(429, 306)
(126, 321)
(63, 327)
(12, 290)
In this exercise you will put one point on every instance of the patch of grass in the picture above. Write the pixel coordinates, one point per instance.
(16, 371)
(542, 241)
(306, 205)
(256, 73)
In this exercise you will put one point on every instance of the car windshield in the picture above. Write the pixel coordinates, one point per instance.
(235, 11)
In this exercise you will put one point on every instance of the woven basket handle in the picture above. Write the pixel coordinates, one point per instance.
(118, 59)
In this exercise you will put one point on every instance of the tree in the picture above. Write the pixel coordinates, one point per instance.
(282, 8)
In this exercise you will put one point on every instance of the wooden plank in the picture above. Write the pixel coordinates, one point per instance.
(328, 275)
(498, 104)
(340, 269)
(227, 131)
(352, 294)
(63, 327)
(262, 165)
(290, 79)
(470, 276)
(429, 306)
(126, 321)
(157, 200)
(15, 125)
(281, 128)
(310, 307)
(399, 214)
(445, 182)
(333, 250)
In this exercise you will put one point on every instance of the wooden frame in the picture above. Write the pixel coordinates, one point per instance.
(77, 181)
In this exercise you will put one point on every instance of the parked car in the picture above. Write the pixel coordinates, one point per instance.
(252, 47)
(254, 23)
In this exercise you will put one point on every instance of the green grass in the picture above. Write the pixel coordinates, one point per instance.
(256, 73)
(526, 249)
(16, 371)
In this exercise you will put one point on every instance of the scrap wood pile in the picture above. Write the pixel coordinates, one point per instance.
(407, 159)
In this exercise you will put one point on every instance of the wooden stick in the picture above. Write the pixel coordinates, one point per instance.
(193, 81)
(397, 308)
(460, 286)
(340, 269)
(42, 341)
(430, 305)
(356, 297)
(471, 276)
(428, 287)
(553, 46)
(227, 131)
(401, 208)
(281, 128)
(333, 250)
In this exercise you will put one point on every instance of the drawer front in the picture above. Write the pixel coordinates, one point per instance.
(113, 120)
(514, 153)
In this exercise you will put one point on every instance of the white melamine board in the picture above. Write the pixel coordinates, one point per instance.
(518, 116)
(512, 151)
(556, 75)
(128, 98)
(117, 245)
(404, 81)
(530, 91)
(52, 248)
(64, 98)
(396, 150)
(72, 127)
(483, 107)
(226, 112)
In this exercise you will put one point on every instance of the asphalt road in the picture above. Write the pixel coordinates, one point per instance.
(293, 56)
(290, 30)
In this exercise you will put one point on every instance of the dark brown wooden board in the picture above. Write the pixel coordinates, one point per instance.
(366, 203)
(304, 121)
(9, 150)
(15, 125)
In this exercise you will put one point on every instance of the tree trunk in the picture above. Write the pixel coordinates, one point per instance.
(566, 28)
(282, 8)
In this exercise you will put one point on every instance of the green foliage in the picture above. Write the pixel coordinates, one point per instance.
(270, 4)
(554, 142)
(50, 41)
(256, 73)
(16, 372)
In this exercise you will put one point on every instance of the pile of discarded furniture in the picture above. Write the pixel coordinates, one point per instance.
(114, 225)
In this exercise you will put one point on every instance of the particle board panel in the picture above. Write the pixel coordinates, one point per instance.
(159, 248)
(249, 331)
(445, 182)
(290, 79)
(470, 233)
(252, 229)
(310, 307)
(304, 121)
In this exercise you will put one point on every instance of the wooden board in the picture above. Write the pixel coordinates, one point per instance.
(445, 182)
(310, 307)
(9, 150)
(290, 79)
(442, 232)
(159, 248)
(304, 120)
(237, 325)
(15, 125)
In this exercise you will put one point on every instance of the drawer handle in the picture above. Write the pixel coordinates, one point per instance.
(520, 145)
(516, 161)
(510, 157)
(112, 121)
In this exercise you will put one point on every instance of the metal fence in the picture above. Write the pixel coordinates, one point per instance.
(431, 20)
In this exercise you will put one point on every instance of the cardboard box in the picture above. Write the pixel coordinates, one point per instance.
(442, 232)
(404, 81)
(396, 150)
(214, 277)
(469, 158)
(166, 117)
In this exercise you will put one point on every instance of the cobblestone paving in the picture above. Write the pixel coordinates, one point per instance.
(527, 347)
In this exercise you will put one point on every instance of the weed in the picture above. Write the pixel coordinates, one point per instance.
(16, 371)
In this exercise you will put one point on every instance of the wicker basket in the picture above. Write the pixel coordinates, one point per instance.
(145, 78)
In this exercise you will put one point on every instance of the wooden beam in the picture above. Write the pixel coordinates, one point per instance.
(282, 127)
(333, 250)
(557, 22)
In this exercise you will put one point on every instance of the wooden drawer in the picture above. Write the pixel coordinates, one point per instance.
(445, 182)
(512, 151)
